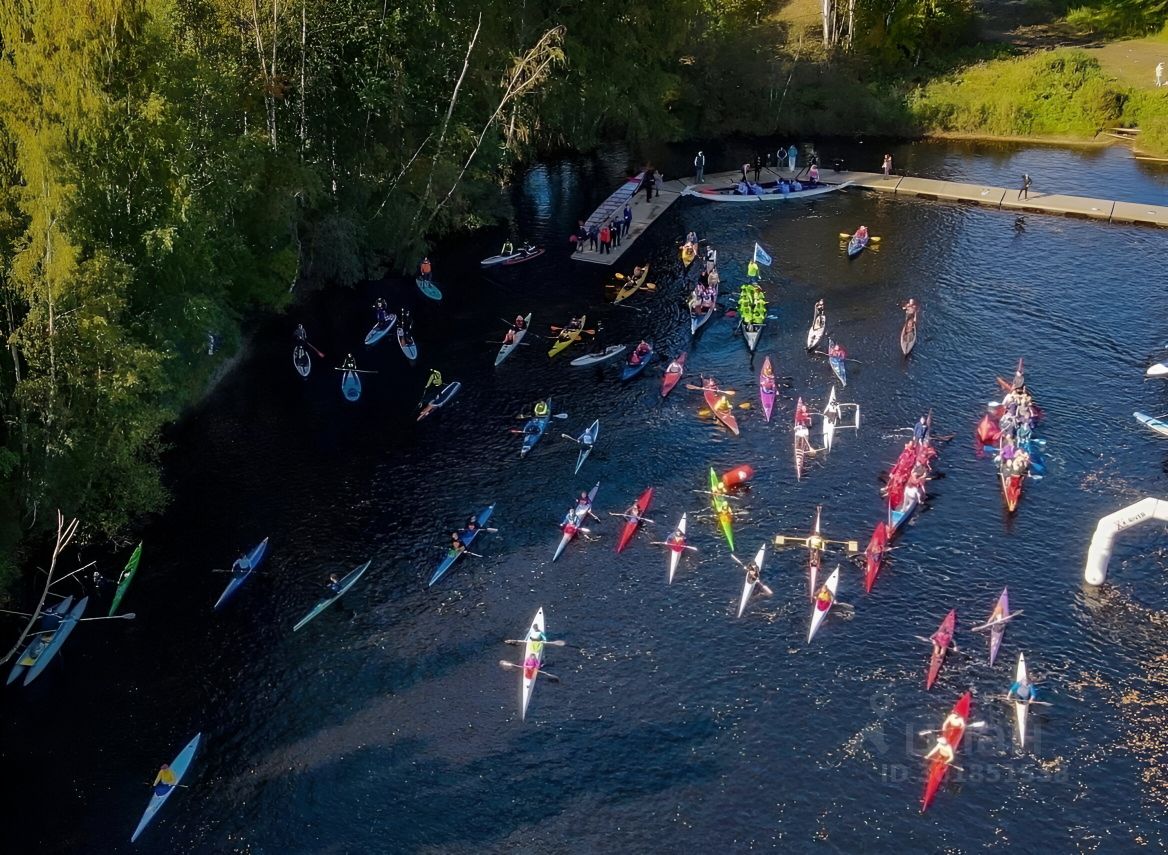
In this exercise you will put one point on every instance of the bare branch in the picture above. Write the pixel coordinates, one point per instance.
(64, 536)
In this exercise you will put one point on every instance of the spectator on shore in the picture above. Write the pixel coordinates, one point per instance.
(700, 168)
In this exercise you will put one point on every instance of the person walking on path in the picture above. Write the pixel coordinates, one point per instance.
(1159, 74)
(628, 221)
(887, 168)
(1024, 192)
(792, 153)
(700, 168)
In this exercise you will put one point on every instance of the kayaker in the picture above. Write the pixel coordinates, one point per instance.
(862, 232)
(426, 269)
(531, 666)
(634, 512)
(677, 539)
(723, 405)
(334, 583)
(802, 417)
(836, 351)
(508, 248)
(472, 524)
(1022, 691)
(823, 599)
(572, 518)
(939, 650)
(350, 364)
(942, 749)
(640, 353)
(456, 544)
(753, 576)
(241, 567)
(165, 781)
(509, 338)
(540, 409)
(520, 323)
(537, 638)
(301, 333)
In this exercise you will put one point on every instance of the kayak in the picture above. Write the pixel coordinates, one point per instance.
(343, 586)
(748, 586)
(874, 554)
(699, 316)
(942, 637)
(898, 515)
(632, 369)
(1011, 489)
(380, 330)
(301, 361)
(56, 625)
(516, 256)
(815, 333)
(582, 509)
(721, 506)
(440, 400)
(467, 538)
(838, 365)
(1153, 423)
(566, 337)
(1021, 707)
(631, 285)
(405, 340)
(428, 288)
(631, 523)
(672, 374)
(675, 551)
(908, 337)
(819, 609)
(125, 579)
(939, 767)
(179, 766)
(534, 430)
(767, 388)
(802, 441)
(254, 558)
(998, 618)
(831, 416)
(856, 244)
(533, 647)
(587, 440)
(506, 349)
(602, 356)
(351, 385)
(725, 416)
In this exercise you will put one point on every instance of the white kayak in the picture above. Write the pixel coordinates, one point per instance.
(532, 647)
(749, 586)
(819, 610)
(815, 333)
(831, 416)
(675, 551)
(1020, 708)
(506, 349)
(1152, 423)
(603, 356)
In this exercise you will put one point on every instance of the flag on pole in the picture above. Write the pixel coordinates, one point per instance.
(761, 256)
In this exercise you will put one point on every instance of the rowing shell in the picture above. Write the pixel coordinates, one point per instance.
(536, 647)
(819, 609)
(748, 586)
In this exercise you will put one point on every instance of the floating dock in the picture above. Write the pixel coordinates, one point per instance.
(645, 212)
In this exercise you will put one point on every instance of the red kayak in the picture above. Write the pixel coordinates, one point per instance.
(943, 637)
(1011, 490)
(631, 525)
(672, 374)
(953, 734)
(874, 554)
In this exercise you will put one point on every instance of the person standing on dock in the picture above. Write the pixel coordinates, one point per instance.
(792, 153)
(757, 167)
(700, 168)
(887, 167)
(614, 231)
(746, 172)
(628, 221)
(605, 239)
(1159, 74)
(1024, 192)
(649, 182)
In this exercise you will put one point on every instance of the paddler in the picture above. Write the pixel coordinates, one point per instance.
(350, 364)
(301, 334)
(426, 269)
(572, 518)
(676, 540)
(536, 638)
(862, 232)
(836, 351)
(456, 544)
(540, 409)
(1022, 691)
(241, 567)
(639, 353)
(531, 666)
(165, 781)
(823, 599)
(942, 749)
(754, 577)
(334, 583)
(723, 405)
(634, 512)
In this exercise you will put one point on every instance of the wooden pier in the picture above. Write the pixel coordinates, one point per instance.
(645, 213)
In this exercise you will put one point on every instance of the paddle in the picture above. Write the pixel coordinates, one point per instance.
(1011, 700)
(871, 238)
(126, 616)
(846, 358)
(152, 784)
(559, 642)
(972, 724)
(630, 517)
(703, 389)
(539, 671)
(532, 416)
(512, 343)
(991, 624)
(672, 545)
(355, 370)
(319, 353)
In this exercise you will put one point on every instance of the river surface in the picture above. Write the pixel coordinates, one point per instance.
(387, 725)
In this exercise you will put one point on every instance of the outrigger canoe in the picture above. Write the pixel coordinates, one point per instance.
(56, 625)
(507, 348)
(343, 585)
(721, 506)
(874, 554)
(179, 767)
(820, 608)
(939, 767)
(748, 586)
(467, 538)
(380, 329)
(440, 400)
(725, 416)
(676, 548)
(942, 638)
(767, 388)
(570, 529)
(600, 356)
(587, 440)
(240, 575)
(632, 522)
(631, 285)
(632, 369)
(534, 430)
(673, 373)
(533, 647)
(126, 578)
(567, 336)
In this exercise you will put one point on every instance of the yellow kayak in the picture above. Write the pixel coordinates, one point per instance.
(632, 285)
(567, 336)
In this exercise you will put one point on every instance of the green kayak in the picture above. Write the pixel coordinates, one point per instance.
(126, 578)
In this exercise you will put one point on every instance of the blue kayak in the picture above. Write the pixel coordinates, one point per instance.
(534, 430)
(856, 245)
(239, 574)
(55, 625)
(467, 538)
(632, 369)
(179, 766)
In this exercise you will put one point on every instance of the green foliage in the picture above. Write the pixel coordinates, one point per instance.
(1148, 111)
(899, 34)
(1120, 17)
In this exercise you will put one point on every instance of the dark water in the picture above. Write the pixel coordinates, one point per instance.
(387, 726)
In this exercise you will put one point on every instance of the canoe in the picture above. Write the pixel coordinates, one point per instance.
(301, 361)
(751, 333)
(405, 340)
(874, 554)
(254, 558)
(467, 538)
(346, 582)
(831, 416)
(908, 337)
(672, 374)
(722, 510)
(533, 647)
(768, 191)
(749, 586)
(675, 551)
(507, 349)
(1021, 707)
(428, 288)
(767, 390)
(351, 385)
(179, 766)
(998, 617)
(440, 400)
(632, 369)
(1011, 489)
(534, 430)
(566, 337)
(856, 245)
(582, 509)
(601, 356)
(818, 609)
(587, 439)
(939, 768)
(726, 416)
(943, 636)
(838, 365)
(688, 254)
(126, 578)
(815, 333)
(517, 256)
(631, 286)
(631, 524)
(56, 626)
(697, 319)
(1153, 423)
(380, 330)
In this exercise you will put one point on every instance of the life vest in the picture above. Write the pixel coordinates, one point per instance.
(541, 408)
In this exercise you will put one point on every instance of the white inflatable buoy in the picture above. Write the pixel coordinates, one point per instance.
(1099, 552)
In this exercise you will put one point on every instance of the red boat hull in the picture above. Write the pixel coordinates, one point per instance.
(874, 554)
(631, 526)
(943, 636)
(939, 768)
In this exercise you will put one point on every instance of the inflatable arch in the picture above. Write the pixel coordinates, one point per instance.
(1099, 553)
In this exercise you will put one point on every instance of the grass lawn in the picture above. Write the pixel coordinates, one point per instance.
(1134, 62)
